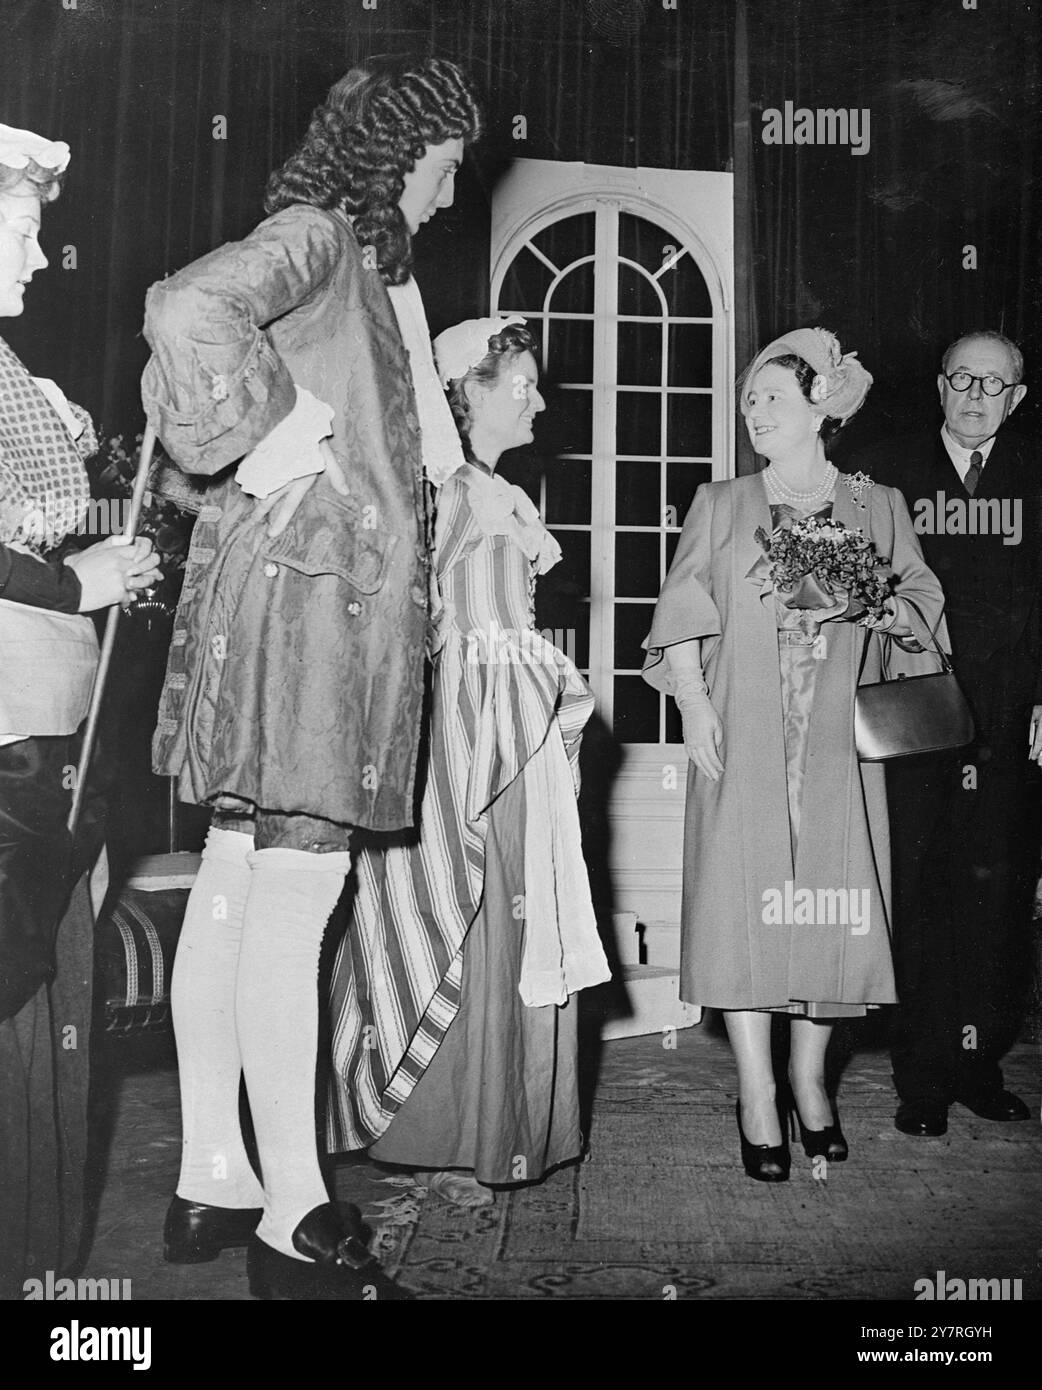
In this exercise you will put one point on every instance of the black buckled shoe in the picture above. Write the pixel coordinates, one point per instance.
(924, 1119)
(1000, 1105)
(338, 1266)
(195, 1233)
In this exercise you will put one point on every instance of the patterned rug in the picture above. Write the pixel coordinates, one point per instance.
(659, 1210)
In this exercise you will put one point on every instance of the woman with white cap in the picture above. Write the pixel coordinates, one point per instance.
(454, 1023)
(776, 797)
(50, 655)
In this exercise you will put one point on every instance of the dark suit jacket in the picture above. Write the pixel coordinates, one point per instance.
(991, 580)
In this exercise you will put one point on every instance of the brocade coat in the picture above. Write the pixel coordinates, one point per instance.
(737, 845)
(296, 666)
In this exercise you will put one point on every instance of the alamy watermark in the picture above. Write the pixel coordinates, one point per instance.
(942, 1289)
(61, 1290)
(507, 646)
(802, 125)
(818, 907)
(101, 516)
(942, 515)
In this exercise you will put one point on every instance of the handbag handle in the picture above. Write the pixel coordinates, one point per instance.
(946, 665)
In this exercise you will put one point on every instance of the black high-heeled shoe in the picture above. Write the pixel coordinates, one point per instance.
(826, 1143)
(763, 1162)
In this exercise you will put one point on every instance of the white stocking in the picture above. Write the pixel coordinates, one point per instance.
(292, 894)
(214, 1166)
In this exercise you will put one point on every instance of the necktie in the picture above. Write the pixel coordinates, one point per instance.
(974, 471)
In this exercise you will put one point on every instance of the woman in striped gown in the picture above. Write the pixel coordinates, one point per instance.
(454, 1026)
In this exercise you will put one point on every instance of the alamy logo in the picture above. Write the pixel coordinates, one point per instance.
(942, 515)
(824, 125)
(817, 907)
(78, 1343)
(943, 1289)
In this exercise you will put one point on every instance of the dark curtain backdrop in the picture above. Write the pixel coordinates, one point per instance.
(135, 87)
(870, 246)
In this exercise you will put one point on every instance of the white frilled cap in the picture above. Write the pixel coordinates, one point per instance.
(464, 345)
(17, 147)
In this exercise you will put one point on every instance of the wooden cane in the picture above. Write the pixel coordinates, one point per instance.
(137, 497)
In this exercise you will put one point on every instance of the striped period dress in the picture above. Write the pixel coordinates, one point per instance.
(459, 893)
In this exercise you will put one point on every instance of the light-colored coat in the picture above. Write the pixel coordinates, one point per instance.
(737, 846)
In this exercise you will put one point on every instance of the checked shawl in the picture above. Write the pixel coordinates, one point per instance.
(44, 488)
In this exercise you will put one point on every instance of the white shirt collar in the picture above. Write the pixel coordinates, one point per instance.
(959, 455)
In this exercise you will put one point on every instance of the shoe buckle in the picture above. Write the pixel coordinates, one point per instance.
(351, 1252)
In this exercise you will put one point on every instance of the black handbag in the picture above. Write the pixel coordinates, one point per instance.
(912, 714)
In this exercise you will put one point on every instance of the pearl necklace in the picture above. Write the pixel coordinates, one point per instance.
(787, 494)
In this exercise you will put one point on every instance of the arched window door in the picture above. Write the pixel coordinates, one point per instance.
(630, 298)
(626, 277)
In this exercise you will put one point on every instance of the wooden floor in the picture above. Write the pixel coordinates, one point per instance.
(659, 1207)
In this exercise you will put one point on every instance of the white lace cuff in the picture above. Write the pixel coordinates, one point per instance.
(291, 450)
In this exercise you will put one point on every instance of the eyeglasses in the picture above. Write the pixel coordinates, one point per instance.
(990, 385)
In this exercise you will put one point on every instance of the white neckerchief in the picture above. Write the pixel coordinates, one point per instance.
(504, 509)
(439, 439)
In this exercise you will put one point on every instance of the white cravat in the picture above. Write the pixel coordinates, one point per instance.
(439, 439)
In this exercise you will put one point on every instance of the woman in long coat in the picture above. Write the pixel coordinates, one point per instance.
(293, 694)
(777, 801)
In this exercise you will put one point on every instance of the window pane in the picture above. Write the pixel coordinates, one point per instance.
(572, 575)
(566, 616)
(568, 491)
(689, 428)
(685, 290)
(525, 469)
(681, 481)
(690, 354)
(637, 565)
(524, 285)
(574, 294)
(644, 242)
(568, 350)
(637, 293)
(567, 425)
(640, 354)
(636, 710)
(638, 423)
(636, 493)
(632, 625)
(566, 240)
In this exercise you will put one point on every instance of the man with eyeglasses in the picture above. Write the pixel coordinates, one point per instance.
(964, 855)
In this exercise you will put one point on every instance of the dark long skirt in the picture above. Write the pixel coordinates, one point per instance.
(501, 1094)
(44, 1075)
(46, 954)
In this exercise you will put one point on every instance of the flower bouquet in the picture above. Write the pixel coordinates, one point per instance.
(827, 569)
